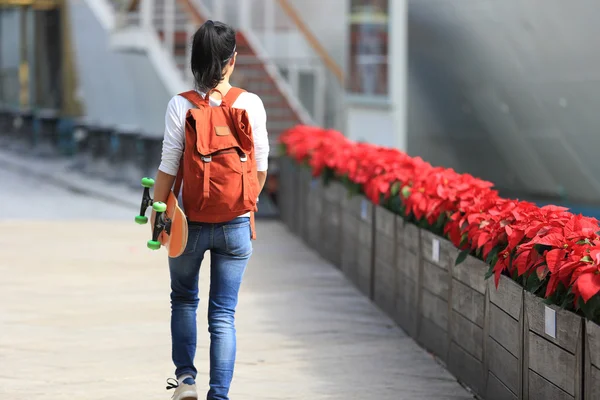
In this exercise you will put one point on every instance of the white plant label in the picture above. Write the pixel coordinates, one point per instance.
(550, 322)
(363, 209)
(435, 250)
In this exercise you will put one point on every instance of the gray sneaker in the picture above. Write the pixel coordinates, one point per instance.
(184, 391)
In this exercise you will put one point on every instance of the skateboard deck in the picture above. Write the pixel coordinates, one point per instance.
(169, 224)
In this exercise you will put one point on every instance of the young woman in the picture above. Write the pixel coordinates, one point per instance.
(212, 63)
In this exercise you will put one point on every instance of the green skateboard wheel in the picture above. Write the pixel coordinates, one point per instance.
(159, 206)
(140, 219)
(147, 182)
(153, 244)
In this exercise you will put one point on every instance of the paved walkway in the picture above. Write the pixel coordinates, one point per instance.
(84, 314)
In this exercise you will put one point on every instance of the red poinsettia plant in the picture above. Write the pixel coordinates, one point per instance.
(550, 251)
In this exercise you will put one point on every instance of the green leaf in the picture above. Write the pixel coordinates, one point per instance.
(489, 273)
(591, 309)
(406, 191)
(493, 255)
(395, 188)
(533, 283)
(464, 240)
(462, 256)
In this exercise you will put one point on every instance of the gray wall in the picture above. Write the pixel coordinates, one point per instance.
(117, 88)
(9, 55)
(509, 91)
(327, 21)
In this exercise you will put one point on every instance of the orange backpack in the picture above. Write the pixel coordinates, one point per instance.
(218, 168)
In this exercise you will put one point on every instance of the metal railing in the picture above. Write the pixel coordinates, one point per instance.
(308, 70)
(304, 73)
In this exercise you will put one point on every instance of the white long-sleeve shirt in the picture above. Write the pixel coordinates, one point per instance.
(174, 139)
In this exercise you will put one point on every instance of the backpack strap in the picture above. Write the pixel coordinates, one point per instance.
(232, 96)
(193, 97)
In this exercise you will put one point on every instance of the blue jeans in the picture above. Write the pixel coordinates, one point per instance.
(230, 248)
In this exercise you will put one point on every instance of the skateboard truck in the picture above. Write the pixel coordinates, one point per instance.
(161, 221)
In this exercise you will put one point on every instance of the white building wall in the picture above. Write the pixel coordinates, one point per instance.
(327, 20)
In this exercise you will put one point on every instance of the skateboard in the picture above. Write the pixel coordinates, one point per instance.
(169, 228)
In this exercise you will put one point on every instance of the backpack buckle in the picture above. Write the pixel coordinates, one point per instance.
(206, 159)
(244, 158)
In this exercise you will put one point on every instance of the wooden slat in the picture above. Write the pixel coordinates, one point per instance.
(496, 390)
(385, 287)
(504, 366)
(331, 246)
(466, 368)
(509, 296)
(592, 361)
(568, 324)
(385, 248)
(466, 334)
(433, 338)
(408, 263)
(334, 192)
(436, 280)
(447, 252)
(349, 246)
(552, 362)
(314, 216)
(364, 268)
(365, 233)
(385, 222)
(593, 342)
(504, 329)
(541, 389)
(305, 183)
(435, 309)
(504, 326)
(468, 302)
(406, 307)
(471, 272)
(592, 380)
(408, 235)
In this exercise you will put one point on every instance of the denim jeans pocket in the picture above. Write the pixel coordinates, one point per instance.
(238, 239)
(192, 242)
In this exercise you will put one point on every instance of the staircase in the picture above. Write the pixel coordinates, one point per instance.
(294, 89)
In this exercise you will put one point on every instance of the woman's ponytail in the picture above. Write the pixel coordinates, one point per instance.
(213, 46)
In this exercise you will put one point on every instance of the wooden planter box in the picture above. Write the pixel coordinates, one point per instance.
(592, 362)
(504, 346)
(287, 191)
(467, 322)
(357, 242)
(303, 179)
(408, 273)
(330, 246)
(553, 355)
(437, 256)
(314, 213)
(384, 275)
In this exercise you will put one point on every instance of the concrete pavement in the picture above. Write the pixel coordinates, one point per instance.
(84, 313)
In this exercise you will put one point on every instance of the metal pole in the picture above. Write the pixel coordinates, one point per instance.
(398, 70)
(24, 63)
(169, 26)
(147, 13)
(269, 33)
(2, 99)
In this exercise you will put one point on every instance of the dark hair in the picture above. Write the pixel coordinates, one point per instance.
(213, 46)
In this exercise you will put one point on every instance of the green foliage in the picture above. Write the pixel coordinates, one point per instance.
(462, 256)
(591, 309)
